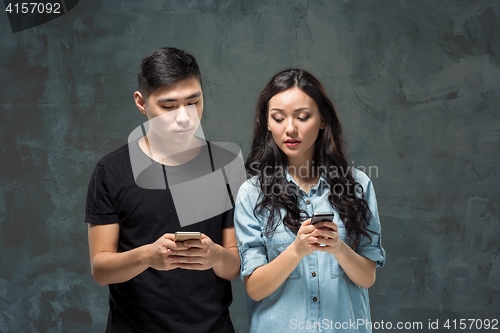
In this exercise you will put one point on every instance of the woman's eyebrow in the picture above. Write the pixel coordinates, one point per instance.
(298, 110)
(276, 109)
(164, 100)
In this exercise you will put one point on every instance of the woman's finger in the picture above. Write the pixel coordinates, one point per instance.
(327, 224)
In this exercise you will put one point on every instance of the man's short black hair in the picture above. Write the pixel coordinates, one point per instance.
(164, 67)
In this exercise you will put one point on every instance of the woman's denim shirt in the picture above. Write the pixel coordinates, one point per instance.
(317, 296)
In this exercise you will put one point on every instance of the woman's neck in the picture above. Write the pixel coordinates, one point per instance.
(301, 170)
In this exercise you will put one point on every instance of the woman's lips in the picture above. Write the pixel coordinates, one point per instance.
(292, 143)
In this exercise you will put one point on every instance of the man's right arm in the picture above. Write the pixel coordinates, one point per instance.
(110, 266)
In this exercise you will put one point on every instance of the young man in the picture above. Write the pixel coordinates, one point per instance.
(155, 283)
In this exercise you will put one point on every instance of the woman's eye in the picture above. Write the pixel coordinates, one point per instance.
(303, 118)
(278, 120)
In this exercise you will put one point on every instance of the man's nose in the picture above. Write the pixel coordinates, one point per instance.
(182, 116)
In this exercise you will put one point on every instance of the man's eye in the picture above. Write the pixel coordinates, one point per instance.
(194, 103)
(304, 118)
(168, 107)
(278, 120)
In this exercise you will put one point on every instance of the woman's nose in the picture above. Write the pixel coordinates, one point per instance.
(291, 129)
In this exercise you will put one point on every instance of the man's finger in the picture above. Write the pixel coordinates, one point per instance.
(169, 236)
(176, 246)
(193, 243)
(190, 252)
(195, 267)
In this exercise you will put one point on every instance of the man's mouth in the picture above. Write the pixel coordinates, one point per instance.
(182, 131)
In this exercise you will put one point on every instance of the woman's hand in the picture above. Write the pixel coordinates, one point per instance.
(302, 243)
(326, 233)
(358, 269)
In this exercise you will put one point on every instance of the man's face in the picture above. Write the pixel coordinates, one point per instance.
(174, 112)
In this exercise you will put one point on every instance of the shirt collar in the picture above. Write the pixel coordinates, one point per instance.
(322, 179)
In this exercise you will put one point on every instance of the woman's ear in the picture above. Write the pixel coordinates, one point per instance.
(140, 102)
(322, 124)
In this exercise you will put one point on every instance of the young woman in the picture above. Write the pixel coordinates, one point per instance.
(298, 275)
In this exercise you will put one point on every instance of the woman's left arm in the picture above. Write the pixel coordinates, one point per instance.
(358, 268)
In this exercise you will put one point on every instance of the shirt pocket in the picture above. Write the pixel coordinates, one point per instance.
(278, 242)
(335, 268)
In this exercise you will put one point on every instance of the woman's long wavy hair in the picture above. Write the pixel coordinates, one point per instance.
(267, 161)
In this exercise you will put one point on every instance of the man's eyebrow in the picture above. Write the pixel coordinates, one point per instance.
(164, 100)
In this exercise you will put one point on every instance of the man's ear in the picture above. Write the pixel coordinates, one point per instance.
(140, 102)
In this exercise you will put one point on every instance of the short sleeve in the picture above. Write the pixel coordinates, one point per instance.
(98, 207)
(228, 219)
(248, 231)
(373, 249)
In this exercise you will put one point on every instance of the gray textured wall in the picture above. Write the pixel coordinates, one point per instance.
(416, 84)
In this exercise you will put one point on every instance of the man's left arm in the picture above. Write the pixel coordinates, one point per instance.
(228, 265)
(205, 254)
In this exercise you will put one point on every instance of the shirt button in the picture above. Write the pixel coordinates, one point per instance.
(308, 202)
(315, 299)
(313, 274)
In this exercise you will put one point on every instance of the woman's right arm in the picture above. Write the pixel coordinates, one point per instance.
(266, 279)
(262, 278)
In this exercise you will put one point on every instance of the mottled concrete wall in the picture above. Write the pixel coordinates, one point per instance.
(415, 83)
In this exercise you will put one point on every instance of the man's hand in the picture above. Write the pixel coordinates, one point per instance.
(160, 252)
(199, 255)
(110, 266)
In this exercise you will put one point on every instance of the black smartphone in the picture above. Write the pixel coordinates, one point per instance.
(318, 217)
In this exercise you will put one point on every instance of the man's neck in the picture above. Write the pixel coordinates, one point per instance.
(171, 154)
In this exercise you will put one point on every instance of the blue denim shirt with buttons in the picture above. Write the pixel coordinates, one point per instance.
(317, 296)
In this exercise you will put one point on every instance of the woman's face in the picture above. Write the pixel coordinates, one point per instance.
(294, 121)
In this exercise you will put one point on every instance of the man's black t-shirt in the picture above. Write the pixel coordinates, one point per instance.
(156, 301)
